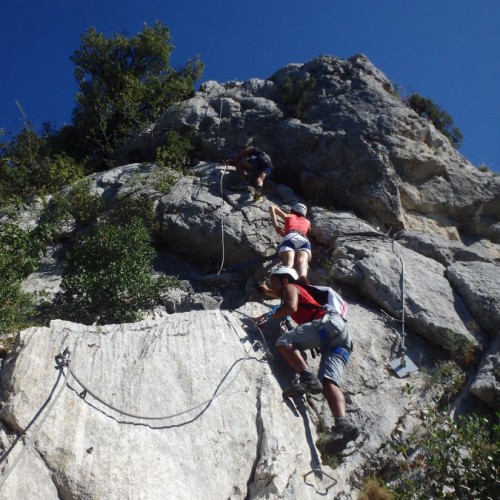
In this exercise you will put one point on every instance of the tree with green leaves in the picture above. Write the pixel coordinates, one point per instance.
(30, 165)
(125, 84)
(108, 276)
(440, 118)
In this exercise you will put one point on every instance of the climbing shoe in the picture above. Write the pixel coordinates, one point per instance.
(258, 194)
(306, 382)
(296, 389)
(347, 429)
(311, 382)
(342, 434)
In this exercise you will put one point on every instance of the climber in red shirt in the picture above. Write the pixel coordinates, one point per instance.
(318, 327)
(295, 247)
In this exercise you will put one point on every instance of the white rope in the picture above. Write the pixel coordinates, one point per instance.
(222, 220)
(221, 193)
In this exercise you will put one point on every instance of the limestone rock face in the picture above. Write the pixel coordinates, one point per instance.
(479, 284)
(337, 131)
(184, 406)
(398, 216)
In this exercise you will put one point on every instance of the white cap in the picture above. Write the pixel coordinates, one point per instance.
(283, 270)
(300, 208)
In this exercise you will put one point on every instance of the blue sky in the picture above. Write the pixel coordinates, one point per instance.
(447, 50)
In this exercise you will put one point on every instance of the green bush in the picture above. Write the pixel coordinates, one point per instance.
(18, 258)
(295, 93)
(108, 278)
(172, 159)
(28, 166)
(175, 153)
(449, 458)
(440, 118)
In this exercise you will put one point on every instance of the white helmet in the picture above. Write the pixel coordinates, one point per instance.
(299, 208)
(285, 271)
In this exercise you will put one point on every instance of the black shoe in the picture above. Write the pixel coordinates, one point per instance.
(342, 434)
(296, 389)
(258, 194)
(345, 431)
(311, 383)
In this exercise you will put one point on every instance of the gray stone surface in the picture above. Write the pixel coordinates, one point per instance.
(246, 442)
(367, 167)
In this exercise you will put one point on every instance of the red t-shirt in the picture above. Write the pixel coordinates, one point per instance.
(295, 222)
(305, 313)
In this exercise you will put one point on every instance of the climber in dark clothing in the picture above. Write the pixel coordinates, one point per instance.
(318, 327)
(254, 160)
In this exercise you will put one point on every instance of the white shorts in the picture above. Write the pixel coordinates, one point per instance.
(294, 242)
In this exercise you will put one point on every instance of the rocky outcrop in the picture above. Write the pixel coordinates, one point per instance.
(184, 404)
(337, 131)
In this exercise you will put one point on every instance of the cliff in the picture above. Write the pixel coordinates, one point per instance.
(187, 402)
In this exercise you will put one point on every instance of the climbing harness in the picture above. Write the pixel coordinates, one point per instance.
(62, 360)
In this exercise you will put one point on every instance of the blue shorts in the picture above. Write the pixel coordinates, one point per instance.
(260, 165)
(334, 342)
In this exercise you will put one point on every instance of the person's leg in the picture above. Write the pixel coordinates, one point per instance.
(259, 185)
(330, 372)
(259, 182)
(334, 397)
(302, 258)
(242, 166)
(287, 257)
(289, 345)
(293, 357)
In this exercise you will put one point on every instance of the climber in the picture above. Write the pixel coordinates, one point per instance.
(294, 247)
(318, 327)
(254, 160)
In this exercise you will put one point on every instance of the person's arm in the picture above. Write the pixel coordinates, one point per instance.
(239, 156)
(290, 304)
(273, 212)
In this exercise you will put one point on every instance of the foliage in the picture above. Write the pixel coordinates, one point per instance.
(85, 207)
(295, 93)
(28, 165)
(18, 258)
(450, 458)
(125, 84)
(373, 489)
(447, 380)
(440, 118)
(171, 159)
(331, 460)
(108, 276)
(175, 153)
